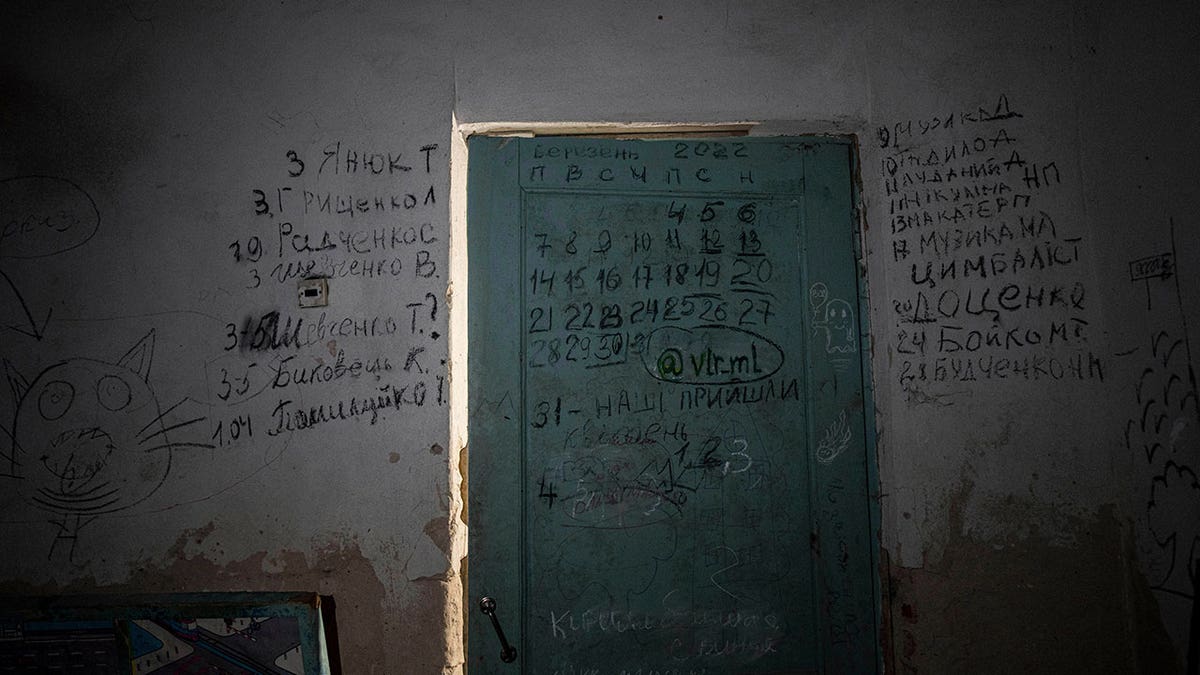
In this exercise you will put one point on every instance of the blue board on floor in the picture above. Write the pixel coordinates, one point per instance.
(179, 633)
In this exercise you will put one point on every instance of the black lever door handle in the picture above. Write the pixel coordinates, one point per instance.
(508, 653)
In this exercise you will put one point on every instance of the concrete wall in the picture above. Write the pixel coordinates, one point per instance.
(1037, 438)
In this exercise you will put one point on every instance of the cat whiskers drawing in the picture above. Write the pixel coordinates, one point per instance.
(89, 438)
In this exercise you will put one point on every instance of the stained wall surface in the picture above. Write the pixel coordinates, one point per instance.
(175, 422)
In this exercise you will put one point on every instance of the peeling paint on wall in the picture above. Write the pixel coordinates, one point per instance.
(1024, 526)
(1030, 603)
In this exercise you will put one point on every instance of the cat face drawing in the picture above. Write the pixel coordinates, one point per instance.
(88, 437)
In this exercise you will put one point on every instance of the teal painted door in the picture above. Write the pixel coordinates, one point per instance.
(670, 452)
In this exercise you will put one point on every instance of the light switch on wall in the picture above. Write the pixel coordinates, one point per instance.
(313, 292)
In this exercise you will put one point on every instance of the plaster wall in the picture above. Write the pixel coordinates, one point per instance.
(1038, 496)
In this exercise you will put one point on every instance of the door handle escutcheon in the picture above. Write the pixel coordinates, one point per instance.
(508, 653)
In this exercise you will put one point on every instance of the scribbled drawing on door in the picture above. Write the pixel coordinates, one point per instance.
(836, 439)
(818, 295)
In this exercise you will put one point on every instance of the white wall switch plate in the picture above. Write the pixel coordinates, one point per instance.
(313, 292)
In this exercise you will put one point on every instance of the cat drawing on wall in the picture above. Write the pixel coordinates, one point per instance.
(89, 439)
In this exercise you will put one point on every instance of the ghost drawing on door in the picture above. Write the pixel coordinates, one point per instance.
(839, 327)
(834, 319)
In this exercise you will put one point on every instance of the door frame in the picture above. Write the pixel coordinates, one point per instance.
(457, 301)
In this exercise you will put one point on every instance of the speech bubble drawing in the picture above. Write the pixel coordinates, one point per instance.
(44, 215)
